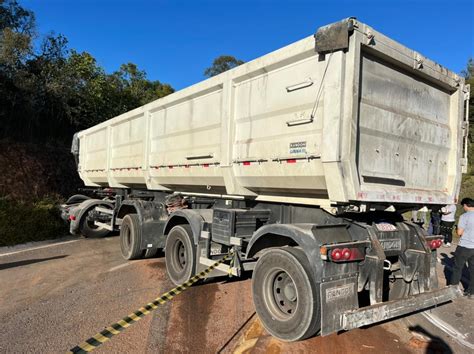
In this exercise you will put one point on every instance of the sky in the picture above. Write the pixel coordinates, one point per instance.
(175, 41)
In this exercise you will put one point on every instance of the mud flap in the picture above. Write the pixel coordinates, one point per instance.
(337, 297)
(433, 279)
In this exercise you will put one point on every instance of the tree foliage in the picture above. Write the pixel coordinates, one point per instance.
(48, 93)
(222, 64)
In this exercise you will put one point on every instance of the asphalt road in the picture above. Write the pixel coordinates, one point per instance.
(55, 295)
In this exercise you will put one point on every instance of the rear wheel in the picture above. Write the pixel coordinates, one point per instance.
(88, 228)
(131, 237)
(180, 254)
(285, 295)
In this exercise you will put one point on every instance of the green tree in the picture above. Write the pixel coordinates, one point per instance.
(136, 89)
(16, 33)
(51, 92)
(222, 64)
(17, 28)
(16, 18)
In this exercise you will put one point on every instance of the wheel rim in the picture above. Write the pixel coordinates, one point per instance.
(179, 256)
(280, 294)
(90, 220)
(127, 237)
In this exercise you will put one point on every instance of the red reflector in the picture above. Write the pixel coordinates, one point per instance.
(291, 161)
(246, 163)
(205, 165)
(347, 254)
(336, 254)
(72, 217)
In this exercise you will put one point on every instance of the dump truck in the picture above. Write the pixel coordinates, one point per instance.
(299, 164)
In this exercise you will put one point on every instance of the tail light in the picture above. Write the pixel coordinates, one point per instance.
(72, 217)
(342, 255)
(336, 254)
(434, 244)
(345, 252)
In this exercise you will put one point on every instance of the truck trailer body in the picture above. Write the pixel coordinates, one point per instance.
(301, 163)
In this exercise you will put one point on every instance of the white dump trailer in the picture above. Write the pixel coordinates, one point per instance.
(301, 162)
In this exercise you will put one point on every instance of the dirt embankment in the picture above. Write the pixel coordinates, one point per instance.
(33, 181)
(31, 172)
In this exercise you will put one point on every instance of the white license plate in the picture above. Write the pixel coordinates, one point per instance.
(385, 226)
(391, 245)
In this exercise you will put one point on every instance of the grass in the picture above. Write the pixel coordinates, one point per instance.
(22, 222)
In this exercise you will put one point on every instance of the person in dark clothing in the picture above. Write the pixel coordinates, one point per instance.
(435, 222)
(465, 250)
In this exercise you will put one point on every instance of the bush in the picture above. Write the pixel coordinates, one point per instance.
(22, 222)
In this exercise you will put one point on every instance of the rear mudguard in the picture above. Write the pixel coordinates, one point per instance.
(81, 210)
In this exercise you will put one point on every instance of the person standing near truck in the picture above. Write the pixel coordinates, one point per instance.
(448, 214)
(465, 250)
(435, 223)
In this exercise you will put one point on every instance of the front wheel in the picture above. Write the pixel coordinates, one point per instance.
(89, 229)
(285, 295)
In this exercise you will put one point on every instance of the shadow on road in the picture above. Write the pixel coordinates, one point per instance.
(431, 344)
(29, 261)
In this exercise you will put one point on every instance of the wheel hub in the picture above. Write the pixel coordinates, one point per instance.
(181, 254)
(126, 236)
(284, 294)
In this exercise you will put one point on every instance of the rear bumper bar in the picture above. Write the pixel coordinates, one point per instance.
(386, 310)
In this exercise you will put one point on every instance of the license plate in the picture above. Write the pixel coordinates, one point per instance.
(338, 292)
(391, 245)
(385, 226)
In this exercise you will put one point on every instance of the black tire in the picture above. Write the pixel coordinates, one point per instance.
(285, 296)
(88, 229)
(180, 254)
(131, 237)
(151, 252)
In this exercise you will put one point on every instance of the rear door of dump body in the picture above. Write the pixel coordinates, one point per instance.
(411, 136)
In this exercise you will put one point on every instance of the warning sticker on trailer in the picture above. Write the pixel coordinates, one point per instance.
(298, 147)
